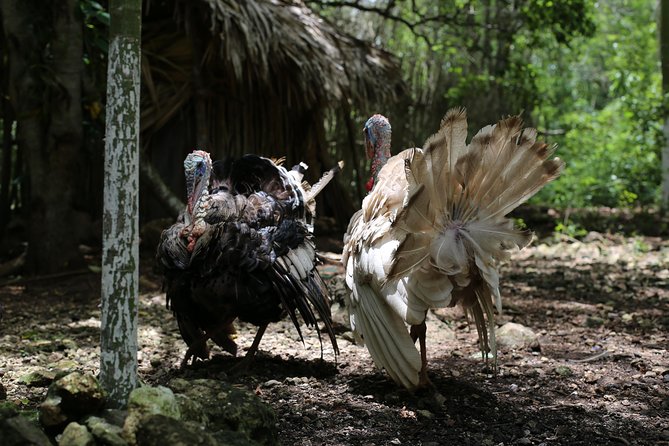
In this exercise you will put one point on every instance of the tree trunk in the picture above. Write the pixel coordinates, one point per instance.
(6, 169)
(120, 234)
(45, 69)
(7, 124)
(664, 58)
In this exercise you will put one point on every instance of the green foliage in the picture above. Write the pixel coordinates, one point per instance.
(565, 19)
(96, 45)
(585, 73)
(96, 28)
(570, 229)
(604, 93)
(641, 246)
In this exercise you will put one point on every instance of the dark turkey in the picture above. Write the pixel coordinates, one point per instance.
(243, 248)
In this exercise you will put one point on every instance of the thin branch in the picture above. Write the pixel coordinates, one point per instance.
(383, 12)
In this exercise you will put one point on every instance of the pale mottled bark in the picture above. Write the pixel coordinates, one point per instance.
(120, 256)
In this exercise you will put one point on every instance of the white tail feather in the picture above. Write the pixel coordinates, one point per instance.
(381, 325)
(471, 190)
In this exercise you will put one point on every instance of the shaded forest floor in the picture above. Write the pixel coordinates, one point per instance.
(599, 376)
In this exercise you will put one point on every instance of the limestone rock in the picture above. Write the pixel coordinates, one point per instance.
(7, 410)
(105, 432)
(19, 431)
(159, 430)
(145, 401)
(516, 336)
(228, 409)
(76, 435)
(69, 398)
(192, 410)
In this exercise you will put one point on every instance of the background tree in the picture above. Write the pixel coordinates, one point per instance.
(664, 57)
(602, 99)
(120, 256)
(44, 48)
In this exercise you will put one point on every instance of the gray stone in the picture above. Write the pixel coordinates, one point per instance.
(229, 409)
(191, 410)
(516, 336)
(114, 416)
(76, 435)
(105, 432)
(19, 431)
(71, 397)
(425, 414)
(145, 401)
(233, 438)
(271, 383)
(159, 430)
(63, 367)
(7, 410)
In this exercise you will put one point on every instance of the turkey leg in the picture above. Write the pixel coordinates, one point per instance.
(244, 363)
(199, 349)
(200, 345)
(256, 342)
(418, 332)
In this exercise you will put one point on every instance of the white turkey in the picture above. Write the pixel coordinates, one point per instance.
(243, 248)
(433, 231)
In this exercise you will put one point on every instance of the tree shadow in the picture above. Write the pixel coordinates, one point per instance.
(480, 409)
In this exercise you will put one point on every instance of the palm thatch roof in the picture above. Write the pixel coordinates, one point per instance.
(279, 46)
(251, 76)
(262, 38)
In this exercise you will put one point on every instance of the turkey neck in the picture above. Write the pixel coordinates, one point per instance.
(197, 199)
(199, 208)
(381, 156)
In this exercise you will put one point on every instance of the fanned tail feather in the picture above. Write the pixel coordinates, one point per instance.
(454, 214)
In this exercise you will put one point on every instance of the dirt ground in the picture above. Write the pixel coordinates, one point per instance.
(600, 375)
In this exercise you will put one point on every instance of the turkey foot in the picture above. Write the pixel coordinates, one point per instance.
(245, 362)
(197, 349)
(418, 332)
